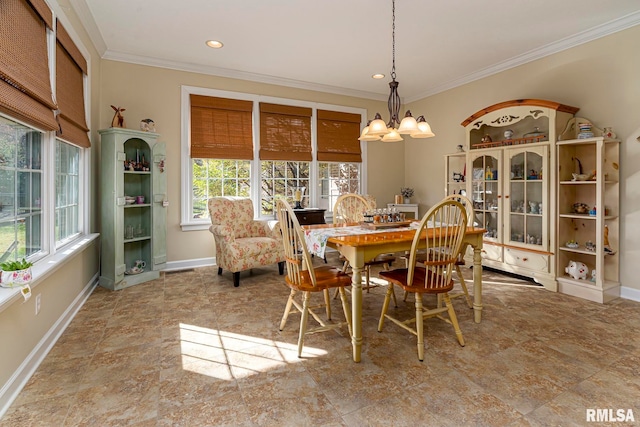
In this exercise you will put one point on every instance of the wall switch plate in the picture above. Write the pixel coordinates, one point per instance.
(165, 203)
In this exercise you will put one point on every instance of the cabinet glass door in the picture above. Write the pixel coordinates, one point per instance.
(485, 193)
(524, 225)
(137, 210)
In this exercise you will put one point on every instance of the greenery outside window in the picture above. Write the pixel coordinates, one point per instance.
(218, 177)
(20, 190)
(336, 179)
(278, 179)
(67, 193)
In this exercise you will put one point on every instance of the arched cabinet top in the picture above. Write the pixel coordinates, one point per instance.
(521, 102)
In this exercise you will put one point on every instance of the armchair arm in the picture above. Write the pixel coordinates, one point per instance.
(267, 228)
(224, 233)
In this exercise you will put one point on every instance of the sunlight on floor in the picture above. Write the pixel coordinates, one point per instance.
(228, 356)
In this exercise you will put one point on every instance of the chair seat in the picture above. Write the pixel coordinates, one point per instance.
(256, 246)
(327, 277)
(399, 277)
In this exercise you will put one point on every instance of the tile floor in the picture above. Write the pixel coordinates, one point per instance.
(189, 349)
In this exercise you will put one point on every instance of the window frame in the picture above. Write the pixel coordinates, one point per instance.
(54, 254)
(187, 223)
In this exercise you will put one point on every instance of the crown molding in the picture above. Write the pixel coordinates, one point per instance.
(600, 31)
(89, 23)
(239, 75)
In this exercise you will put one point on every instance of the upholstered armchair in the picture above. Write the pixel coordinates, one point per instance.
(243, 243)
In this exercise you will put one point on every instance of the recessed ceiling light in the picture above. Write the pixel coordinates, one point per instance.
(378, 76)
(214, 44)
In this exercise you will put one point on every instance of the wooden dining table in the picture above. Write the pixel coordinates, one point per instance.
(359, 248)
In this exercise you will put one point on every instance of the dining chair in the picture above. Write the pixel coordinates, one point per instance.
(460, 260)
(304, 278)
(446, 223)
(350, 208)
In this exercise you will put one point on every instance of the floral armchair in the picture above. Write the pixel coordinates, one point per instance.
(243, 243)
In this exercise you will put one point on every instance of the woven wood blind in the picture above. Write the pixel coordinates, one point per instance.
(338, 137)
(285, 132)
(25, 87)
(221, 128)
(70, 69)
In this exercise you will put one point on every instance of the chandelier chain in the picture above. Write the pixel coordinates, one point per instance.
(393, 39)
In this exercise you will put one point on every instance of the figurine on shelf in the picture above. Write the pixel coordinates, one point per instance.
(118, 118)
(607, 132)
(489, 174)
(607, 246)
(577, 270)
(508, 134)
(147, 125)
(590, 246)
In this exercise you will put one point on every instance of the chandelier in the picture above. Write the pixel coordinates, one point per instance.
(377, 129)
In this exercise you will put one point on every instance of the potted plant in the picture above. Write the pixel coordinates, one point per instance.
(15, 273)
(407, 193)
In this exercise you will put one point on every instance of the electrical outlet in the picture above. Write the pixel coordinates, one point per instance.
(38, 298)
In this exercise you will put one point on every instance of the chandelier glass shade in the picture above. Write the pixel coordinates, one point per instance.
(377, 129)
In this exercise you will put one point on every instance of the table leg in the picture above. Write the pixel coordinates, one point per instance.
(477, 284)
(356, 311)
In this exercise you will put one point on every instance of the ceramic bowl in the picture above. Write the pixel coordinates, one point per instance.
(580, 176)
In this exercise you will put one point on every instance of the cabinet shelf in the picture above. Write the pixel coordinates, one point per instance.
(586, 216)
(600, 226)
(137, 239)
(578, 250)
(577, 216)
(592, 181)
(135, 205)
(137, 172)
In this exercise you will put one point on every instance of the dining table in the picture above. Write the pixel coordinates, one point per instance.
(359, 243)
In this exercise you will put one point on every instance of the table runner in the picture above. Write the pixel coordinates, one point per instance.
(316, 238)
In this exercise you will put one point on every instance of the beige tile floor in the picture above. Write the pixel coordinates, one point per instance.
(189, 349)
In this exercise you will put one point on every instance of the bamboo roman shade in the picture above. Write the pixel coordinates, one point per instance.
(221, 128)
(338, 137)
(70, 70)
(285, 132)
(25, 86)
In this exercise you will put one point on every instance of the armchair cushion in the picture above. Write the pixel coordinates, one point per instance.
(242, 242)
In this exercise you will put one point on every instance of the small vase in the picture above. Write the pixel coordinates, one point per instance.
(407, 200)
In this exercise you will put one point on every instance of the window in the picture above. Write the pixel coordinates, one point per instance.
(284, 144)
(218, 178)
(41, 176)
(278, 179)
(20, 190)
(67, 209)
(336, 179)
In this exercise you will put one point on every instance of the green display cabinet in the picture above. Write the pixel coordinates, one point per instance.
(133, 207)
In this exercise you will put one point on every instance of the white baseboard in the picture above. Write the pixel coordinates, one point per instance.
(189, 263)
(630, 293)
(18, 380)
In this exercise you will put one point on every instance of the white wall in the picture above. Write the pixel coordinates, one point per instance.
(150, 92)
(602, 78)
